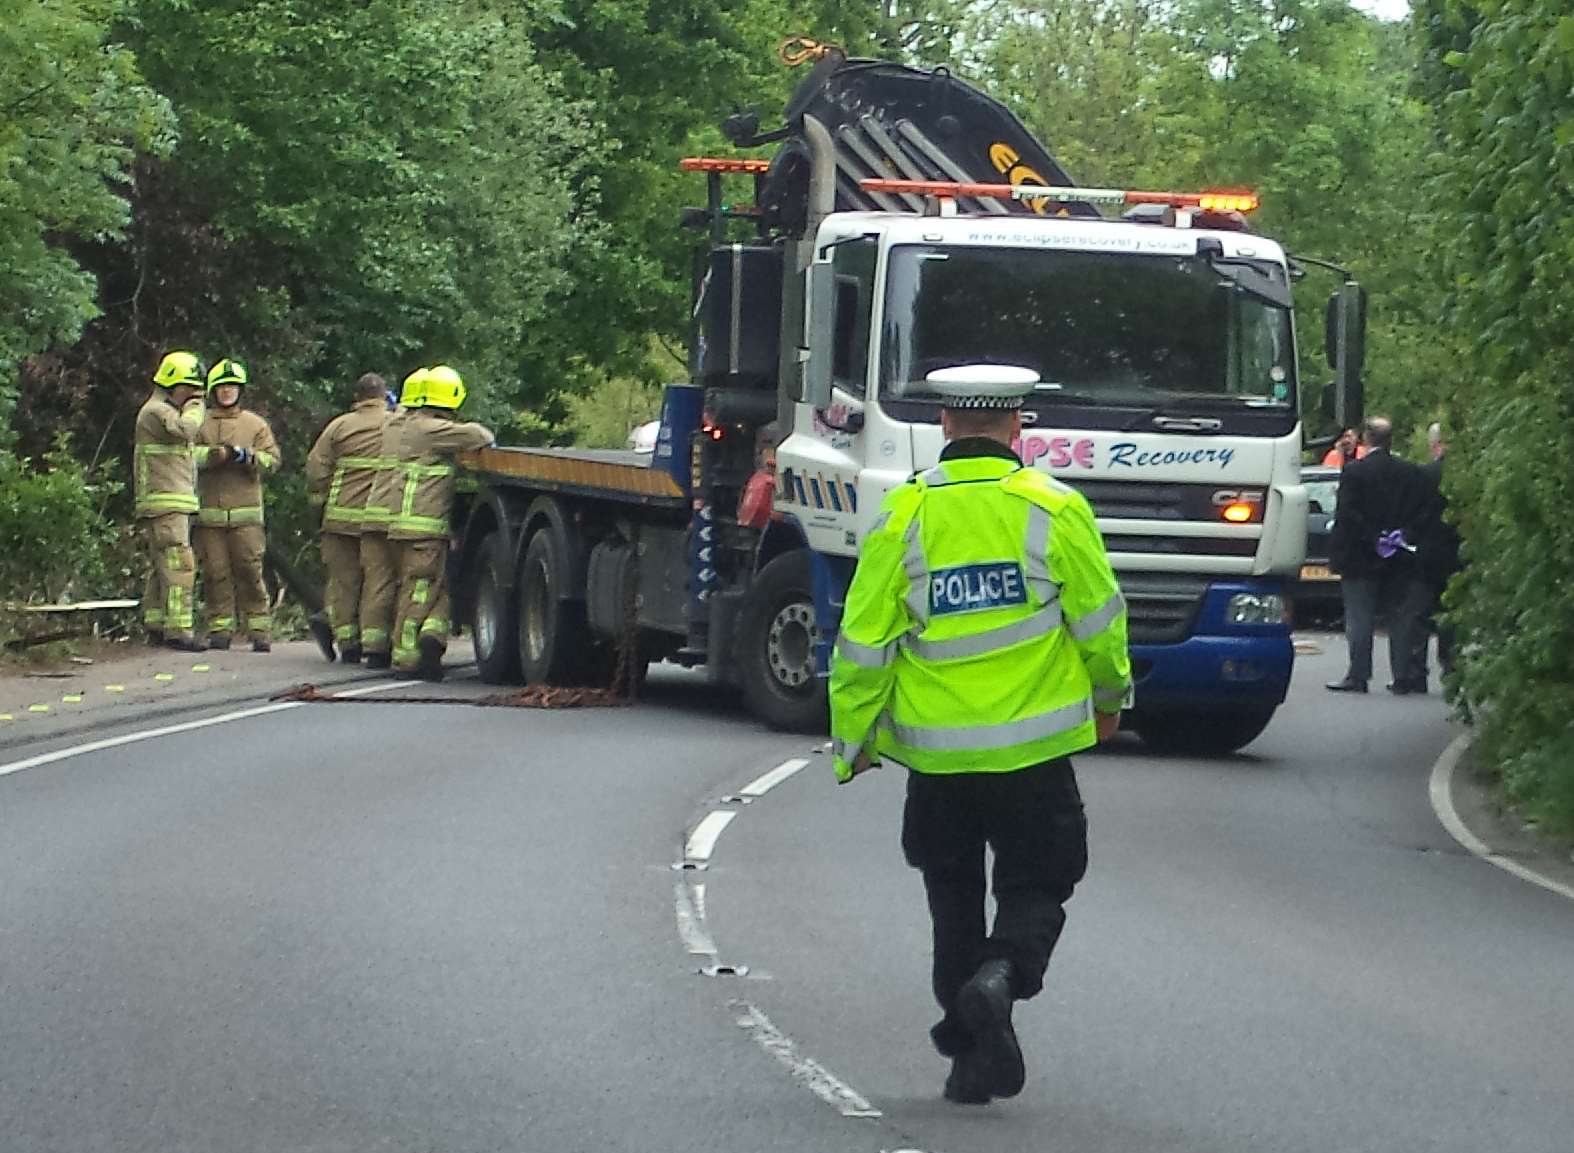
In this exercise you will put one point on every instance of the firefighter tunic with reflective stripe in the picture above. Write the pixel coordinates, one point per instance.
(164, 459)
(984, 625)
(343, 464)
(421, 451)
(231, 494)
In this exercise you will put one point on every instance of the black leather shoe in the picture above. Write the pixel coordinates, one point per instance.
(985, 1006)
(1348, 685)
(965, 1085)
(1407, 688)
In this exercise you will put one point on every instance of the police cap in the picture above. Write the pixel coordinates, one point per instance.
(974, 386)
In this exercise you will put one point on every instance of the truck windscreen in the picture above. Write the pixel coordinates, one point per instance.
(1099, 328)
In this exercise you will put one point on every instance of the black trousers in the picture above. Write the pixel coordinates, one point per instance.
(1405, 601)
(1032, 820)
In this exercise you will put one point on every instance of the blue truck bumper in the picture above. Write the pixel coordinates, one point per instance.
(1219, 663)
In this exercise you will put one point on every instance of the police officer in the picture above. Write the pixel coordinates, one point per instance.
(983, 642)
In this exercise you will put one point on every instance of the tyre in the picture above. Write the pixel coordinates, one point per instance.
(1201, 732)
(556, 646)
(494, 622)
(776, 648)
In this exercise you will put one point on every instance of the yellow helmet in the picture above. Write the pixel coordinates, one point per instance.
(178, 368)
(412, 393)
(444, 388)
(227, 371)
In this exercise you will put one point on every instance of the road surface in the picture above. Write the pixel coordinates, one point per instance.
(346, 927)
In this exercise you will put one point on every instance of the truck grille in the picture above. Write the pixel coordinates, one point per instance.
(1161, 608)
(1149, 500)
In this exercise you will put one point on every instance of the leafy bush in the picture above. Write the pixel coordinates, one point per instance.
(56, 542)
(1498, 73)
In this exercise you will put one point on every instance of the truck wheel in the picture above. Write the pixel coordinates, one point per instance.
(494, 623)
(1205, 732)
(555, 641)
(776, 648)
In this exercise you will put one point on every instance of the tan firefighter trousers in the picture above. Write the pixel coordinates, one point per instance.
(172, 574)
(379, 591)
(232, 572)
(423, 599)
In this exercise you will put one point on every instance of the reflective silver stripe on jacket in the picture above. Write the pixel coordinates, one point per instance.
(1002, 736)
(1095, 622)
(865, 656)
(841, 750)
(1035, 546)
(1046, 620)
(934, 477)
(917, 569)
(1123, 696)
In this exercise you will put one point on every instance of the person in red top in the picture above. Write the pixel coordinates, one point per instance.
(754, 506)
(1347, 448)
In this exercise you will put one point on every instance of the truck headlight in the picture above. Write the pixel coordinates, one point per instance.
(1255, 609)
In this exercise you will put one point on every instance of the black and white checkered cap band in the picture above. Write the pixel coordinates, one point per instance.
(1006, 403)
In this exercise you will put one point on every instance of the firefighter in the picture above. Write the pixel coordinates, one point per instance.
(236, 449)
(982, 643)
(339, 473)
(379, 560)
(165, 462)
(421, 457)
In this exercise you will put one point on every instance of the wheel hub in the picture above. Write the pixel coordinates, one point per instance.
(789, 648)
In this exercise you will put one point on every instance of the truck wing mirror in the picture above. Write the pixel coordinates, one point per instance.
(815, 352)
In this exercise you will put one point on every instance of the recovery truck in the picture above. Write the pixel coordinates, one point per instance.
(908, 222)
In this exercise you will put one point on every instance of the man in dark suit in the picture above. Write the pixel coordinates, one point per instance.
(1381, 502)
(1437, 558)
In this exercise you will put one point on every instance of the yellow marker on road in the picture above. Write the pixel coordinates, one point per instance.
(163, 676)
(38, 708)
(201, 668)
(71, 699)
(114, 688)
(6, 717)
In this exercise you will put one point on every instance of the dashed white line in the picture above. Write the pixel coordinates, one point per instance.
(691, 920)
(702, 841)
(765, 782)
(99, 746)
(1441, 790)
(808, 1072)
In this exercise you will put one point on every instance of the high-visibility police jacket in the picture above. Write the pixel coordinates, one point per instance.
(421, 458)
(230, 493)
(983, 627)
(344, 463)
(164, 457)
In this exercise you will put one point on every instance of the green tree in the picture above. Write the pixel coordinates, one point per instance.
(73, 109)
(1500, 76)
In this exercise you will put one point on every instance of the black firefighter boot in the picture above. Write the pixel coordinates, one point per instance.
(984, 1004)
(431, 666)
(322, 633)
(966, 1084)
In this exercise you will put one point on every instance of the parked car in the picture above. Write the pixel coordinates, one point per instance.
(1315, 594)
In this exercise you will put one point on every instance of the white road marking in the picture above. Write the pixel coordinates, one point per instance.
(99, 746)
(808, 1072)
(768, 781)
(691, 920)
(702, 841)
(1441, 791)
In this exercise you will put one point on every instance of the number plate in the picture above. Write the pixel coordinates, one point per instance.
(1318, 572)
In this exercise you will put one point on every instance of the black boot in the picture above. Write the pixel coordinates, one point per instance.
(219, 644)
(185, 644)
(261, 646)
(379, 660)
(431, 666)
(985, 1005)
(350, 655)
(965, 1085)
(154, 638)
